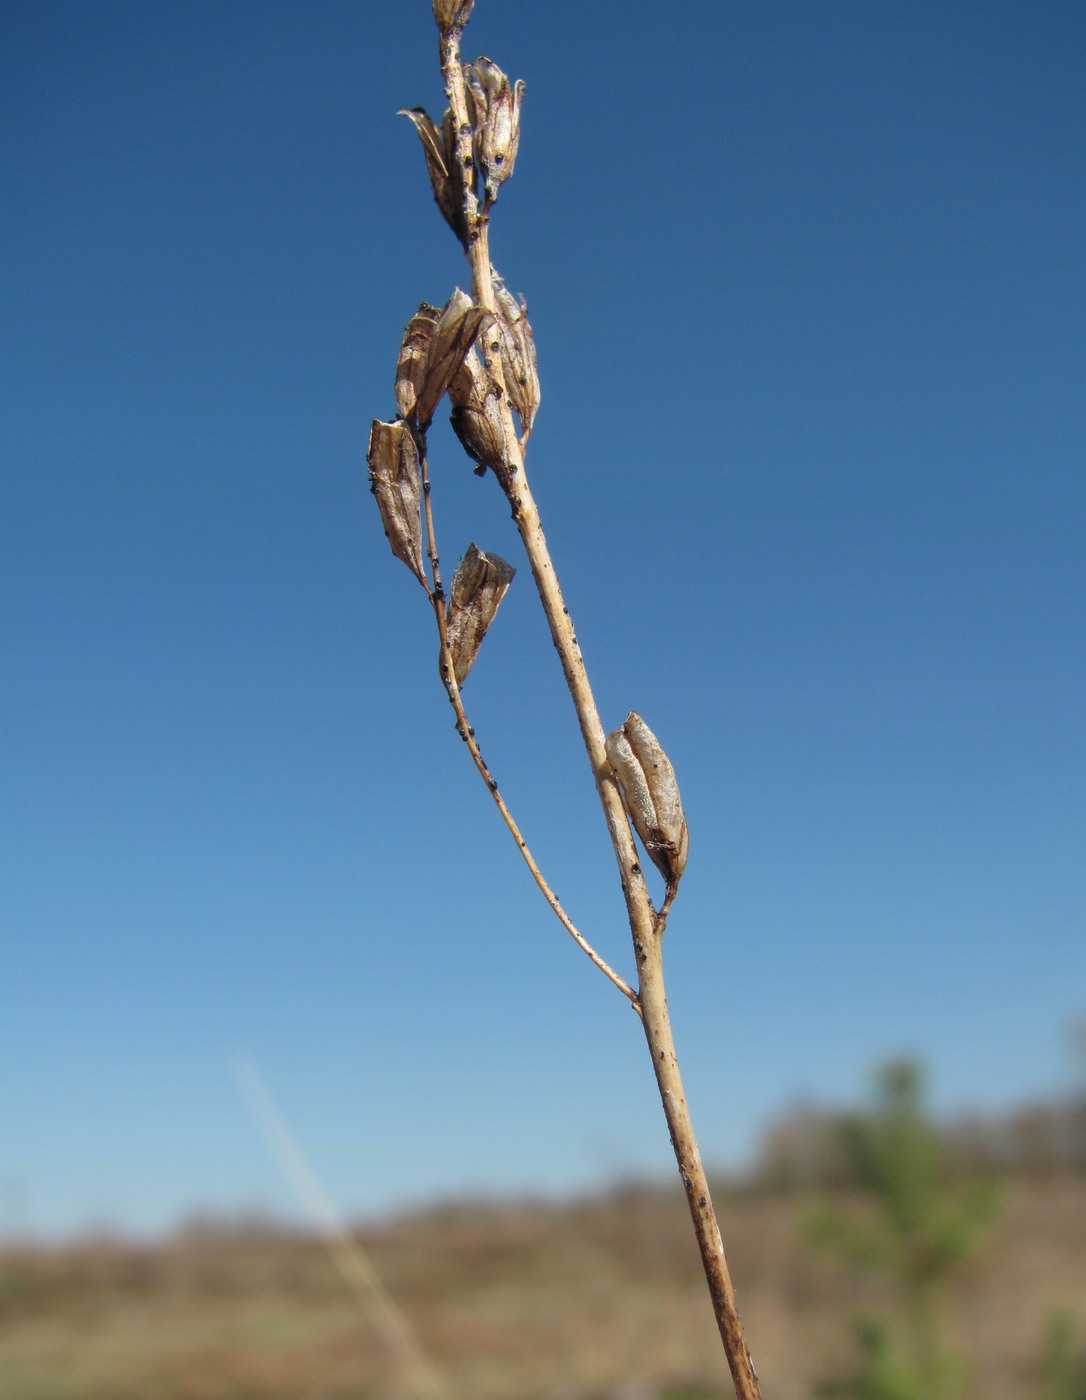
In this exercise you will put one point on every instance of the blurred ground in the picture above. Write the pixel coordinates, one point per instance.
(594, 1300)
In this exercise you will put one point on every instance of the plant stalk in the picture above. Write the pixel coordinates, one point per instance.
(646, 926)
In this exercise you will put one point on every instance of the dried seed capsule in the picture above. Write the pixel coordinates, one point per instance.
(478, 586)
(452, 338)
(394, 480)
(411, 366)
(518, 355)
(650, 795)
(439, 148)
(495, 116)
(452, 14)
(476, 416)
(481, 435)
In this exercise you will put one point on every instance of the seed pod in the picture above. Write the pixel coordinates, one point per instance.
(478, 586)
(439, 148)
(476, 416)
(394, 480)
(518, 355)
(411, 366)
(452, 337)
(650, 795)
(452, 14)
(495, 116)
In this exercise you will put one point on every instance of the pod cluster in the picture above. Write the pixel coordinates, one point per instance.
(494, 112)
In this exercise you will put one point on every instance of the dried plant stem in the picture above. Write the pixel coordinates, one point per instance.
(645, 925)
(467, 733)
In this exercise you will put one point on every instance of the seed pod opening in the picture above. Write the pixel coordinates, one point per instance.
(478, 586)
(650, 794)
(395, 482)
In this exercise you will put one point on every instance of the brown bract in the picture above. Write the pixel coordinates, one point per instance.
(450, 341)
(411, 366)
(439, 149)
(650, 794)
(476, 416)
(518, 355)
(452, 14)
(478, 586)
(495, 117)
(394, 480)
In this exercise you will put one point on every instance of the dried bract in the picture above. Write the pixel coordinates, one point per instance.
(518, 355)
(452, 14)
(650, 795)
(394, 480)
(452, 338)
(411, 366)
(478, 586)
(439, 148)
(476, 416)
(495, 117)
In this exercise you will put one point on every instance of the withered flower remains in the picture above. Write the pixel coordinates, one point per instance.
(518, 355)
(439, 148)
(650, 795)
(450, 340)
(495, 117)
(478, 586)
(411, 366)
(476, 416)
(394, 480)
(452, 14)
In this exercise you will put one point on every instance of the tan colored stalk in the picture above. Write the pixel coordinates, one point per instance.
(646, 926)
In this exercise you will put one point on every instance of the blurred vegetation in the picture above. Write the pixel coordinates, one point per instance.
(916, 1225)
(919, 1286)
(1063, 1363)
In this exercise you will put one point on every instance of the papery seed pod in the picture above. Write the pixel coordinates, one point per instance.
(452, 337)
(495, 116)
(481, 435)
(478, 586)
(438, 146)
(518, 355)
(476, 416)
(452, 14)
(394, 480)
(411, 366)
(650, 795)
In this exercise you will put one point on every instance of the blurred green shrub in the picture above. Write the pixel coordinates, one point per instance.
(915, 1226)
(1063, 1364)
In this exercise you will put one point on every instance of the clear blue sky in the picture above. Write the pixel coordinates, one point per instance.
(807, 284)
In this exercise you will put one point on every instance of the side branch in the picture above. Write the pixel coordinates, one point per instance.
(467, 733)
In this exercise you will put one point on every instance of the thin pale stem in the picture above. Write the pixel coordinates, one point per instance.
(645, 926)
(467, 733)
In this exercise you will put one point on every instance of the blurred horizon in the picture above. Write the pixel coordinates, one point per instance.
(1035, 1138)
